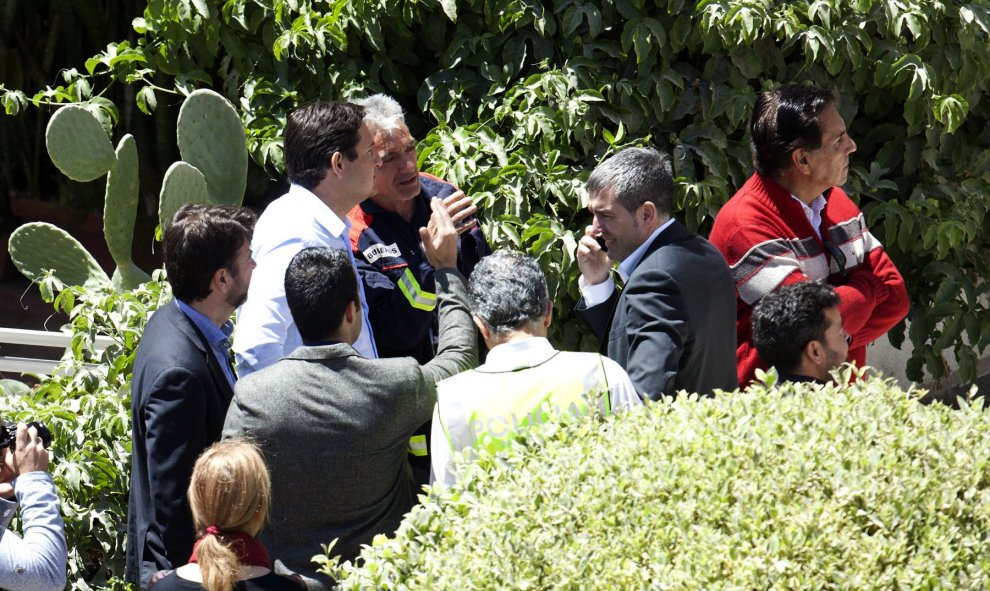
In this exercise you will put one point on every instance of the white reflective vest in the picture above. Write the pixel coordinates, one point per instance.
(487, 408)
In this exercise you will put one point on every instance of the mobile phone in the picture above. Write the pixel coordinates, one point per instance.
(601, 243)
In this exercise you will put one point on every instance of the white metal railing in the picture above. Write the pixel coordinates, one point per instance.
(38, 338)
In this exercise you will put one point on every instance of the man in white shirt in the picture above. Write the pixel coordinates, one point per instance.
(330, 160)
(672, 326)
(524, 378)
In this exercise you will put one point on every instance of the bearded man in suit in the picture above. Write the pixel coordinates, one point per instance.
(183, 380)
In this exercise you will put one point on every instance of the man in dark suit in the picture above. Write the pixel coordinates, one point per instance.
(183, 380)
(334, 425)
(672, 326)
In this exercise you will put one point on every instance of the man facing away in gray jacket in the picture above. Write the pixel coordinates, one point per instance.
(333, 425)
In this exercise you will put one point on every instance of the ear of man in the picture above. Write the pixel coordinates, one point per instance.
(649, 211)
(336, 163)
(799, 158)
(349, 328)
(815, 352)
(221, 282)
(350, 312)
(486, 332)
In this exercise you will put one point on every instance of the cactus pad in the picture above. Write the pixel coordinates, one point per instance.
(38, 246)
(127, 275)
(120, 206)
(183, 184)
(78, 144)
(211, 138)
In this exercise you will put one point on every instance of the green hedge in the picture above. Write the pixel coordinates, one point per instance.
(793, 487)
(517, 100)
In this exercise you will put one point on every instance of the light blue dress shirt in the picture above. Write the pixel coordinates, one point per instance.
(217, 337)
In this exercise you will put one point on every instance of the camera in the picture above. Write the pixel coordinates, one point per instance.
(8, 434)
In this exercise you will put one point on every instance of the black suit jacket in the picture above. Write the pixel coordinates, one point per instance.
(673, 325)
(179, 399)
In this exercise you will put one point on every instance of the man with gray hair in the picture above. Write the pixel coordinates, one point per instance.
(524, 378)
(398, 280)
(672, 325)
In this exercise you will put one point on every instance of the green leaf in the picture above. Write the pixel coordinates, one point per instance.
(450, 9)
(950, 111)
(146, 100)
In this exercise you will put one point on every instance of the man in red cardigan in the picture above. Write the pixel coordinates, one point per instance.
(792, 222)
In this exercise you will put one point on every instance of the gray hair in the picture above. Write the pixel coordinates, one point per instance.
(507, 290)
(382, 112)
(635, 176)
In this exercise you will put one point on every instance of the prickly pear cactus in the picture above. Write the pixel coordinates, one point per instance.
(39, 246)
(183, 184)
(211, 138)
(78, 144)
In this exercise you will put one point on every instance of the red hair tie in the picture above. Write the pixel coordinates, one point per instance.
(213, 530)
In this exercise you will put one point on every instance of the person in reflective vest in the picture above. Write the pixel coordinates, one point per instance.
(524, 380)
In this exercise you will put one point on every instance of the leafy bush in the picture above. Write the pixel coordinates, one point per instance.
(794, 487)
(86, 404)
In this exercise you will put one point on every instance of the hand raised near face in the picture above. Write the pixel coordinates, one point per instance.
(591, 258)
(30, 455)
(440, 238)
(461, 208)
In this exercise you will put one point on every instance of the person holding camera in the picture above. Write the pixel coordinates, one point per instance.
(35, 562)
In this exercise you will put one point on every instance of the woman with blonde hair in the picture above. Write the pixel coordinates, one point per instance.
(229, 494)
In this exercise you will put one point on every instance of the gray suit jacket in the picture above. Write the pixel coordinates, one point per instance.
(673, 325)
(335, 427)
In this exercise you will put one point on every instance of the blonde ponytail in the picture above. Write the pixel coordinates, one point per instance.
(217, 563)
(229, 492)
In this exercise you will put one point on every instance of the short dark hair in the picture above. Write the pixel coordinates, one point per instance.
(635, 176)
(201, 240)
(319, 283)
(786, 320)
(507, 289)
(313, 133)
(783, 121)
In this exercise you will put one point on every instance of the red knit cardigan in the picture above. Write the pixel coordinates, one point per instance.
(767, 240)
